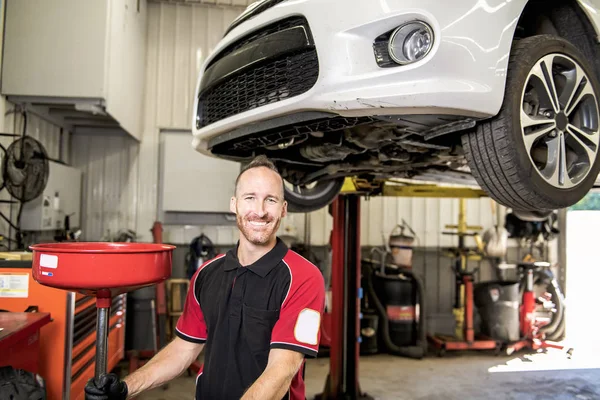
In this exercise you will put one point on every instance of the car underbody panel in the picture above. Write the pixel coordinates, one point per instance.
(333, 146)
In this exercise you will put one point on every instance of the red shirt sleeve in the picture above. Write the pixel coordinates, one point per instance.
(191, 325)
(299, 324)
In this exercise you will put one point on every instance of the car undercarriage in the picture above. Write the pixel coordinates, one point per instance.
(379, 146)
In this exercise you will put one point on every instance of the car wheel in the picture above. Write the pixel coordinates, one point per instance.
(541, 151)
(19, 384)
(303, 199)
(532, 216)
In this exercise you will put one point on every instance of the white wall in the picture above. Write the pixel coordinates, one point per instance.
(126, 60)
(582, 278)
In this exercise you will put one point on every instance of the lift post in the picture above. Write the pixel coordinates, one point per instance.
(342, 381)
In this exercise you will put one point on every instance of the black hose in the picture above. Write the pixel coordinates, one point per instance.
(559, 333)
(545, 277)
(419, 350)
(558, 299)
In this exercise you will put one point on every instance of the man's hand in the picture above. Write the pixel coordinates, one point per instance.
(107, 387)
(275, 380)
(169, 363)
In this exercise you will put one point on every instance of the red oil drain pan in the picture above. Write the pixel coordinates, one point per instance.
(104, 270)
(89, 267)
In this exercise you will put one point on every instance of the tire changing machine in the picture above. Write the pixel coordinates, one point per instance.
(464, 338)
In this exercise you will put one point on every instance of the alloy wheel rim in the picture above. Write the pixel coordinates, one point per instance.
(559, 121)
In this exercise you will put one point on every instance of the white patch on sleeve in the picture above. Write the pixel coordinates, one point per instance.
(307, 326)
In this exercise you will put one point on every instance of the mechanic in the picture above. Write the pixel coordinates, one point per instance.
(256, 310)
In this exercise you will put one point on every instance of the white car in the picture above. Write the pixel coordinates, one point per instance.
(505, 92)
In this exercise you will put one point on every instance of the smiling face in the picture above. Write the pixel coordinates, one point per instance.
(259, 205)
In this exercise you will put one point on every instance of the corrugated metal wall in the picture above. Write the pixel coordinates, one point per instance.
(109, 191)
(179, 38)
(427, 216)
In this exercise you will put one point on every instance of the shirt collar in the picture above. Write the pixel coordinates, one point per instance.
(263, 265)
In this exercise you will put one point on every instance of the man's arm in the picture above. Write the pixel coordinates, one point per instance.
(275, 380)
(168, 364)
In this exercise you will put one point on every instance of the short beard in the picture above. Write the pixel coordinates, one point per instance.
(258, 239)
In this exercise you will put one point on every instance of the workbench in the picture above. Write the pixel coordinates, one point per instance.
(19, 339)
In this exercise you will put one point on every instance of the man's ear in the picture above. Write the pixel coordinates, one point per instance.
(284, 209)
(232, 203)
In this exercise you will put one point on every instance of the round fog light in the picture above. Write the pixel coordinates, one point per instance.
(410, 42)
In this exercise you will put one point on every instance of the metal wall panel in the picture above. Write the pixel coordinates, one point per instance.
(427, 217)
(180, 36)
(109, 189)
(185, 35)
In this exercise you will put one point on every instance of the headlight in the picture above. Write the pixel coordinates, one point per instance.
(410, 42)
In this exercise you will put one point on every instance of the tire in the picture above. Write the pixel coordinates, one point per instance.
(305, 200)
(497, 154)
(17, 384)
(532, 216)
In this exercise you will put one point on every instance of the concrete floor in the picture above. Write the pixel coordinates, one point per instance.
(470, 375)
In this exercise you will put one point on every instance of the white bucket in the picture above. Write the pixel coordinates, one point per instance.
(402, 248)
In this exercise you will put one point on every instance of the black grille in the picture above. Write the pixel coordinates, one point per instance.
(266, 83)
(276, 27)
(255, 11)
(381, 51)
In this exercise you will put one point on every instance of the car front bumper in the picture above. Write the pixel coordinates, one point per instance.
(463, 74)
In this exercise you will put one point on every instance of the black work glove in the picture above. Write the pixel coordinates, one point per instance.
(107, 387)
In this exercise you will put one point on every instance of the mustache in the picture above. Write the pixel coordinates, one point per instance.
(259, 219)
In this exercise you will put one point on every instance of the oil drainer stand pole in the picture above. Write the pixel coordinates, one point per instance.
(342, 382)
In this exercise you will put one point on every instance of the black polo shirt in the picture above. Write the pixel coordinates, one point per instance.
(243, 312)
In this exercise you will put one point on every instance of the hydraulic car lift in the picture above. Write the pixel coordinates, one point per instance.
(342, 381)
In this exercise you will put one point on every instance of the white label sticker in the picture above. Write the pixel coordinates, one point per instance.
(307, 326)
(48, 261)
(14, 285)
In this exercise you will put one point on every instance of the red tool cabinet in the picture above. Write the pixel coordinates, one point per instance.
(67, 343)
